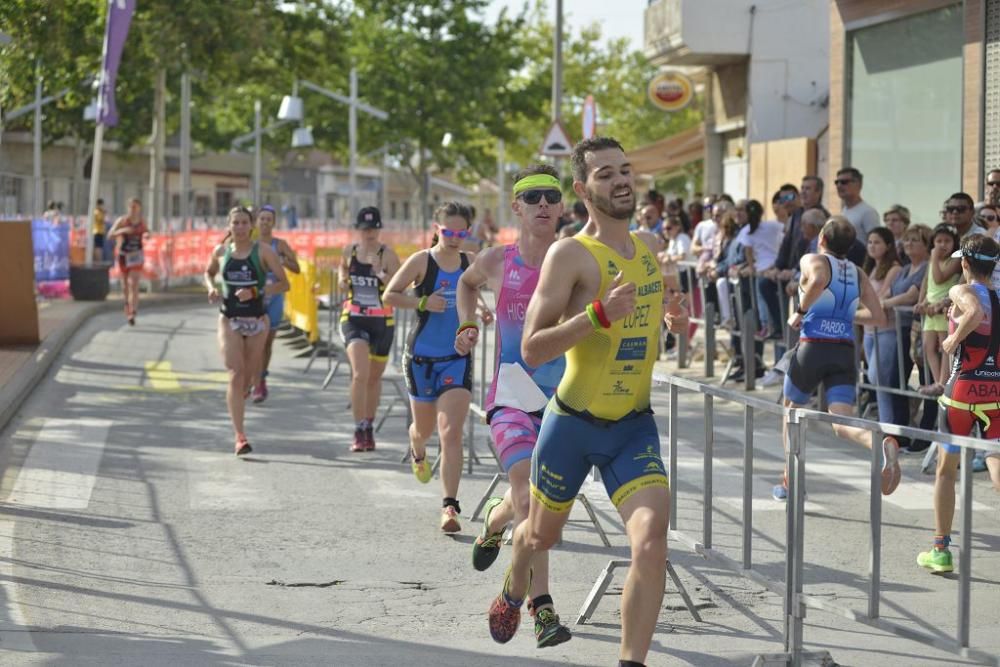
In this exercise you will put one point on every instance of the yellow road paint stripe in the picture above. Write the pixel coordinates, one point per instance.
(161, 376)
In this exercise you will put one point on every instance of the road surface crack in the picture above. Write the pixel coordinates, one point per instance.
(306, 584)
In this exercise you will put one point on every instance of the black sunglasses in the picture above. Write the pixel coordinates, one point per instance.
(532, 197)
(993, 184)
(956, 209)
(843, 181)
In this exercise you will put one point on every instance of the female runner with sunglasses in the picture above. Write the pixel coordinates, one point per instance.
(438, 379)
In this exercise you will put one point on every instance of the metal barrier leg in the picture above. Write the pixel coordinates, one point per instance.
(747, 530)
(965, 561)
(600, 588)
(333, 373)
(709, 340)
(593, 518)
(497, 478)
(875, 527)
(747, 339)
(706, 518)
(683, 591)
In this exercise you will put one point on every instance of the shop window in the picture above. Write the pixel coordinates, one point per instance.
(904, 110)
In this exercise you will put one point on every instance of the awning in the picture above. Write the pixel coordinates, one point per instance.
(671, 153)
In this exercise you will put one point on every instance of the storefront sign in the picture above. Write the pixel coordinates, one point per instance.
(671, 91)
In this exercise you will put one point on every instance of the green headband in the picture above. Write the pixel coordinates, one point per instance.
(537, 181)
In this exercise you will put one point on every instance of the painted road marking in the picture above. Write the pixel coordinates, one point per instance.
(161, 376)
(215, 484)
(14, 635)
(61, 468)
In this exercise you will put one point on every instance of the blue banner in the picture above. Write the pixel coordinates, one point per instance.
(51, 243)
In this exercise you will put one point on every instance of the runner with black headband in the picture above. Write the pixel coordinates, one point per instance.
(518, 393)
(273, 304)
(244, 265)
(366, 323)
(438, 379)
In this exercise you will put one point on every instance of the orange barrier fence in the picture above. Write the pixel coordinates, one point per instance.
(184, 254)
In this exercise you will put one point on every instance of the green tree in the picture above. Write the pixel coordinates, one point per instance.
(437, 67)
(614, 72)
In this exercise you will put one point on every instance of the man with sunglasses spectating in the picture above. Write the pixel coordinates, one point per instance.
(959, 212)
(518, 393)
(862, 215)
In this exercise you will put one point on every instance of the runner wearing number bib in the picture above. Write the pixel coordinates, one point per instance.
(972, 397)
(366, 323)
(243, 264)
(274, 305)
(129, 231)
(437, 378)
(599, 301)
(830, 292)
(519, 392)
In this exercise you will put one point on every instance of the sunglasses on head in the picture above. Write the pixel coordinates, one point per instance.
(455, 233)
(532, 197)
(956, 209)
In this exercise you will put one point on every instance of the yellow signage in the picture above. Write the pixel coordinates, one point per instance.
(671, 91)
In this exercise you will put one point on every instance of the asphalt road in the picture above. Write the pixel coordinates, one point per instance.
(131, 535)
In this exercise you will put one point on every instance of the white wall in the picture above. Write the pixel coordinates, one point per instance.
(790, 58)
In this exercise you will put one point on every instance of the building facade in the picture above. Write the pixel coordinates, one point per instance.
(915, 98)
(762, 72)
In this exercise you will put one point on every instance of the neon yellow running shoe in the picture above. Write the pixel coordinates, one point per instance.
(421, 468)
(935, 560)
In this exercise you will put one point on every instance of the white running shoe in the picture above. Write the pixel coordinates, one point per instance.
(772, 378)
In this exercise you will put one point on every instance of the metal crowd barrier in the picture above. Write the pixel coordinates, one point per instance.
(707, 320)
(745, 314)
(796, 601)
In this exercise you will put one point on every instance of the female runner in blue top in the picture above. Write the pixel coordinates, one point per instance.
(438, 379)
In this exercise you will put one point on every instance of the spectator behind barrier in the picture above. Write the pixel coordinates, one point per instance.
(904, 293)
(897, 219)
(881, 267)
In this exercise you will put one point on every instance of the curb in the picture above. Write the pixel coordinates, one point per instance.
(19, 389)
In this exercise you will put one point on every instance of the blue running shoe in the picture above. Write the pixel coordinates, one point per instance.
(780, 492)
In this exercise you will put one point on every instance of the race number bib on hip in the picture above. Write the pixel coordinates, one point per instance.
(246, 326)
(134, 259)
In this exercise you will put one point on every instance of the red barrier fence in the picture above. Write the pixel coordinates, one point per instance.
(174, 255)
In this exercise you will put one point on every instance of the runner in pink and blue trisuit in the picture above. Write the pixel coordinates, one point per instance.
(518, 394)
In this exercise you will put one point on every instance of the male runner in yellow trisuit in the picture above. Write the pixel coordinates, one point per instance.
(599, 301)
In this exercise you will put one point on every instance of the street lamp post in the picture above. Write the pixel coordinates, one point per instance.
(256, 135)
(256, 153)
(292, 109)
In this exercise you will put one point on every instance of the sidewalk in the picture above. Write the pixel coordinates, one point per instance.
(23, 366)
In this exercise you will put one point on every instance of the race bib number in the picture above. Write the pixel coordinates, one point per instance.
(134, 258)
(246, 326)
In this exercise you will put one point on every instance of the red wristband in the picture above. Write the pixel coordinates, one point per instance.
(601, 316)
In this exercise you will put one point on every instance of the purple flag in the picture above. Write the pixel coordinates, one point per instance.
(119, 17)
